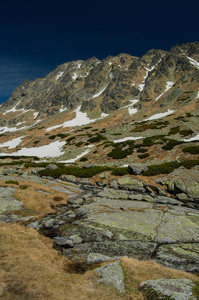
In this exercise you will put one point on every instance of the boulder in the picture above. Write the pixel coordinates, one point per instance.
(88, 166)
(69, 178)
(51, 167)
(8, 201)
(112, 274)
(113, 194)
(132, 184)
(94, 258)
(186, 185)
(137, 169)
(176, 289)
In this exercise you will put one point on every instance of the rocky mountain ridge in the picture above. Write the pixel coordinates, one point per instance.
(122, 96)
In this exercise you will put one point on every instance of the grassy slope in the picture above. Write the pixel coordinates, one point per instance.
(31, 269)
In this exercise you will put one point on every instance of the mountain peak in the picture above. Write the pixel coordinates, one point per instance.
(118, 95)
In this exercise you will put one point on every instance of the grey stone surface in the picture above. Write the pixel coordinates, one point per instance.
(8, 201)
(132, 184)
(51, 167)
(112, 274)
(137, 169)
(174, 289)
(94, 258)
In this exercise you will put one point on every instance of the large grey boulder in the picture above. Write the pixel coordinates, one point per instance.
(88, 166)
(7, 201)
(137, 169)
(112, 274)
(94, 258)
(174, 289)
(184, 185)
(132, 184)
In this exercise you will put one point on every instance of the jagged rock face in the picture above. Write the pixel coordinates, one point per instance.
(117, 93)
(176, 67)
(108, 84)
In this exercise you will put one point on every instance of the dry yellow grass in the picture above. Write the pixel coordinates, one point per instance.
(31, 269)
(138, 271)
(38, 198)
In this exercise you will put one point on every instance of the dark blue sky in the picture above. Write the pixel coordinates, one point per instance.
(36, 36)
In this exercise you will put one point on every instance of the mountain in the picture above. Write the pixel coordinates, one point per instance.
(115, 111)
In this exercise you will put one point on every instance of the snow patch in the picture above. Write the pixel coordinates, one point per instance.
(59, 75)
(130, 138)
(193, 62)
(74, 76)
(11, 129)
(51, 150)
(53, 127)
(160, 115)
(100, 92)
(79, 120)
(130, 107)
(168, 86)
(12, 144)
(141, 86)
(62, 109)
(35, 114)
(195, 138)
(13, 109)
(72, 160)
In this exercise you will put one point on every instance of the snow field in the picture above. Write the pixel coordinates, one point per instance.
(79, 120)
(52, 150)
(12, 144)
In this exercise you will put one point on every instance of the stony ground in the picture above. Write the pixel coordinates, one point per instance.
(104, 219)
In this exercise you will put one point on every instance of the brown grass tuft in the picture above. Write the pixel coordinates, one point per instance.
(31, 269)
(137, 271)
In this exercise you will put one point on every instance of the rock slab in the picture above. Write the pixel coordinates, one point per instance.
(112, 274)
(174, 289)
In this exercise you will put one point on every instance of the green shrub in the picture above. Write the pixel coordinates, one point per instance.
(164, 168)
(183, 132)
(83, 159)
(174, 130)
(171, 143)
(191, 149)
(141, 156)
(118, 153)
(142, 150)
(35, 165)
(152, 140)
(12, 182)
(76, 171)
(188, 164)
(120, 171)
(70, 139)
(79, 144)
(169, 167)
(52, 137)
(97, 138)
(36, 142)
(23, 187)
(19, 157)
(62, 135)
(189, 115)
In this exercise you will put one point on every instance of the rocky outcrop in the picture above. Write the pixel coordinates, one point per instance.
(112, 274)
(175, 289)
(137, 169)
